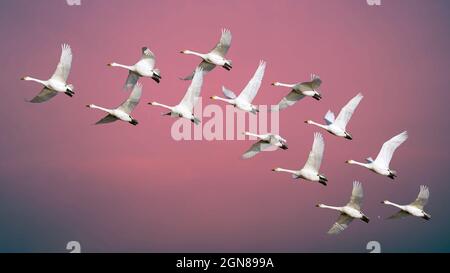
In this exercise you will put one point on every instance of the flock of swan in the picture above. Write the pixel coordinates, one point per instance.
(145, 68)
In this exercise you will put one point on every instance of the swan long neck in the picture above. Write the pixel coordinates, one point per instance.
(122, 66)
(100, 108)
(190, 52)
(35, 80)
(393, 204)
(330, 207)
(318, 124)
(285, 170)
(230, 101)
(162, 105)
(252, 134)
(365, 165)
(284, 84)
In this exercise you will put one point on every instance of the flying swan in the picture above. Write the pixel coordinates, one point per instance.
(215, 56)
(265, 141)
(381, 164)
(123, 112)
(185, 108)
(311, 169)
(348, 212)
(299, 91)
(337, 126)
(145, 67)
(58, 82)
(244, 100)
(415, 208)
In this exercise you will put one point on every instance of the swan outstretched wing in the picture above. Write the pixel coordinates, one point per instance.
(131, 80)
(205, 66)
(329, 117)
(228, 93)
(107, 119)
(193, 93)
(387, 150)
(65, 62)
(224, 44)
(314, 84)
(316, 154)
(347, 111)
(289, 100)
(44, 95)
(148, 57)
(398, 215)
(422, 198)
(342, 223)
(256, 148)
(250, 91)
(133, 100)
(357, 196)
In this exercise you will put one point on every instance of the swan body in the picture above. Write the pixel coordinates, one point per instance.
(337, 126)
(58, 82)
(381, 164)
(185, 109)
(215, 57)
(145, 67)
(311, 169)
(265, 141)
(299, 91)
(348, 212)
(123, 112)
(416, 208)
(245, 98)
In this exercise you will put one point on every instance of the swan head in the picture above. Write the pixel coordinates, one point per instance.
(26, 78)
(308, 121)
(320, 205)
(385, 202)
(348, 136)
(276, 170)
(89, 105)
(186, 51)
(275, 83)
(111, 64)
(214, 97)
(350, 161)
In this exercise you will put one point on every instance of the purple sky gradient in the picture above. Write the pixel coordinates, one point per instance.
(122, 188)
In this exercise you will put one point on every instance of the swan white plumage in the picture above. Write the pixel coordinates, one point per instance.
(245, 98)
(348, 212)
(381, 163)
(265, 141)
(311, 169)
(185, 109)
(299, 91)
(145, 67)
(215, 57)
(415, 208)
(58, 81)
(338, 126)
(123, 112)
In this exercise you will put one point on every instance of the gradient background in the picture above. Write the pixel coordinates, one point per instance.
(122, 188)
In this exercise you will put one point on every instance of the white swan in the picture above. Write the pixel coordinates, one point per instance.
(58, 82)
(415, 208)
(265, 141)
(185, 109)
(337, 126)
(244, 100)
(145, 67)
(348, 212)
(311, 169)
(299, 91)
(215, 56)
(381, 164)
(123, 112)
